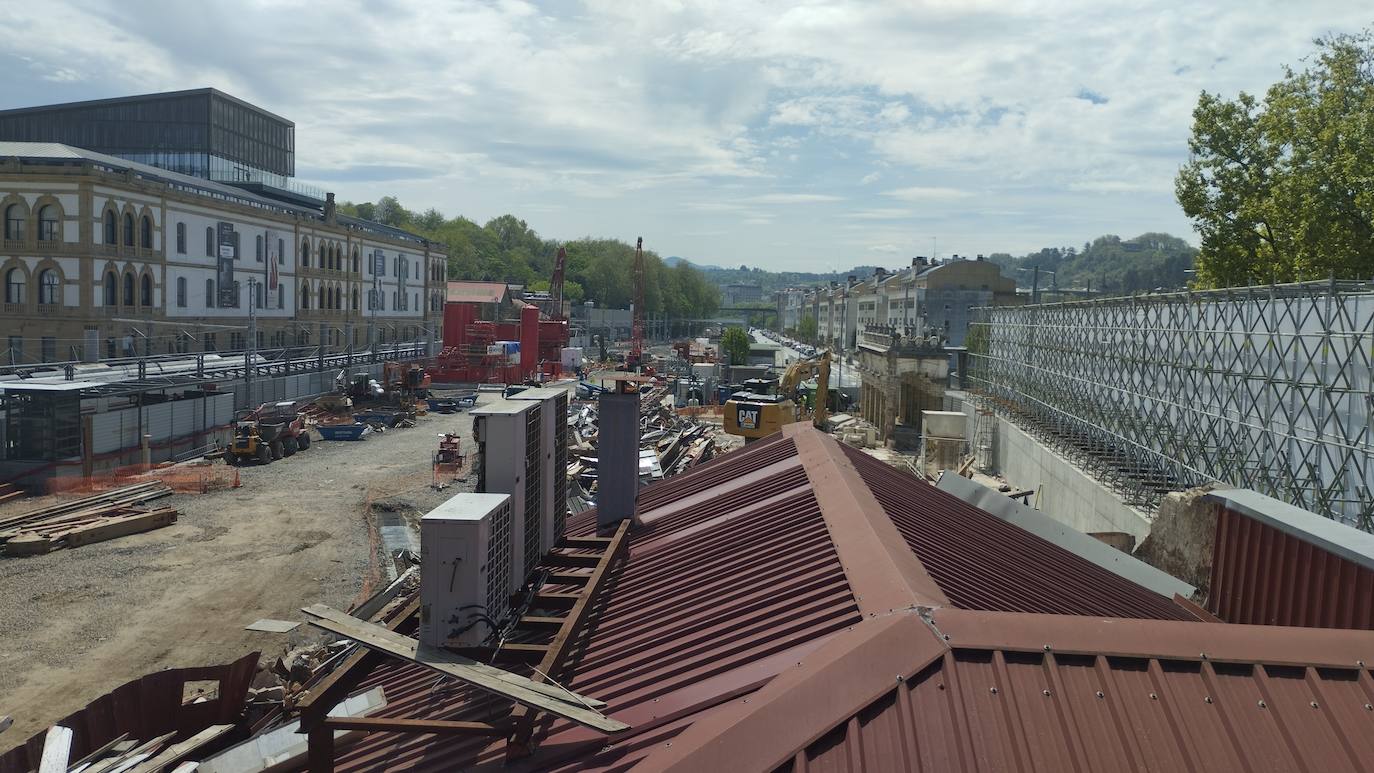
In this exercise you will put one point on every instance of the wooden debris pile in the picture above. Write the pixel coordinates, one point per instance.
(10, 491)
(84, 521)
(670, 443)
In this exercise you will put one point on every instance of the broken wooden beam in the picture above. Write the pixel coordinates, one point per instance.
(436, 726)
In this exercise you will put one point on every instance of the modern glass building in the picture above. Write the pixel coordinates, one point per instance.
(202, 132)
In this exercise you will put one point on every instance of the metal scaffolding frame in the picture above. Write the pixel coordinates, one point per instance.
(1266, 388)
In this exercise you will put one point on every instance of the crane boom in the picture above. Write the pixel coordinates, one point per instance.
(560, 262)
(637, 322)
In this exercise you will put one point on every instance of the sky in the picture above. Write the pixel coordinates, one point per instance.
(809, 136)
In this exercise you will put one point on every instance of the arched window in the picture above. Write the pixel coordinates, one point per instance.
(355, 263)
(258, 244)
(111, 289)
(209, 293)
(129, 289)
(111, 230)
(305, 252)
(14, 222)
(210, 242)
(181, 292)
(355, 296)
(322, 304)
(128, 230)
(146, 296)
(14, 286)
(49, 287)
(49, 228)
(181, 238)
(146, 233)
(305, 295)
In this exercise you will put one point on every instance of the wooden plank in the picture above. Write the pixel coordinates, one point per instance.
(392, 725)
(101, 752)
(186, 767)
(119, 527)
(556, 655)
(507, 685)
(559, 600)
(599, 543)
(568, 578)
(554, 558)
(336, 686)
(539, 621)
(173, 754)
(57, 749)
(129, 759)
(5, 721)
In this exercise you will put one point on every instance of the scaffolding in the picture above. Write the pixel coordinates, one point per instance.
(1266, 388)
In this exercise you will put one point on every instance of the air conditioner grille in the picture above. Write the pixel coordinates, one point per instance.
(533, 467)
(560, 468)
(498, 563)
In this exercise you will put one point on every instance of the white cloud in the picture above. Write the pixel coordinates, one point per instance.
(870, 178)
(927, 193)
(792, 198)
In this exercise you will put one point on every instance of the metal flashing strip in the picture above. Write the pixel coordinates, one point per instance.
(1088, 548)
(883, 573)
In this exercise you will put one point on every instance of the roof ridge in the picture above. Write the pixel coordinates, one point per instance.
(883, 572)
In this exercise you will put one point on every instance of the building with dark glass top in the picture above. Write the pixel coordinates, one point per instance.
(202, 132)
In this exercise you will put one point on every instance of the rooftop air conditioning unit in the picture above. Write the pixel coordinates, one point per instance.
(510, 461)
(553, 477)
(465, 571)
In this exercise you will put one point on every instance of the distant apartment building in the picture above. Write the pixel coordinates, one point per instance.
(739, 293)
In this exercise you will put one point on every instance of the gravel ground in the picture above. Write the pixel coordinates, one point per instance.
(77, 623)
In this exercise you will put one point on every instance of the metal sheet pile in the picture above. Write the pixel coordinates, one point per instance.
(96, 518)
(669, 444)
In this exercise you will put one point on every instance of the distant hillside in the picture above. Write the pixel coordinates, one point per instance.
(775, 280)
(1108, 263)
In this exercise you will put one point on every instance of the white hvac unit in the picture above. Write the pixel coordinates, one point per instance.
(465, 571)
(553, 478)
(510, 461)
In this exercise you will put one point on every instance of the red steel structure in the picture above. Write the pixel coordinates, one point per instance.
(637, 322)
(560, 262)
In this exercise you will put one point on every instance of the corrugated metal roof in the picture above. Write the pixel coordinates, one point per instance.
(983, 562)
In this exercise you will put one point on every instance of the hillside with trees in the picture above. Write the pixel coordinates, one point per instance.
(506, 249)
(1108, 263)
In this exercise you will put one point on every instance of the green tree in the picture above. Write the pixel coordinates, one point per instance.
(806, 328)
(1283, 189)
(735, 343)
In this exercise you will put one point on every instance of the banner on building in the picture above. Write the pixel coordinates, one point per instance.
(225, 273)
(273, 258)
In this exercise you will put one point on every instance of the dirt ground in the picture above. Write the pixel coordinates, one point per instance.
(77, 623)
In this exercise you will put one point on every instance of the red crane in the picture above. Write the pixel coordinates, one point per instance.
(637, 321)
(560, 262)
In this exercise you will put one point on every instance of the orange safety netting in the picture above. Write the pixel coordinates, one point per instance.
(197, 478)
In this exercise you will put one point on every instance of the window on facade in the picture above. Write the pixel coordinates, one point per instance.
(146, 233)
(258, 248)
(181, 238)
(209, 342)
(110, 228)
(48, 348)
(129, 289)
(305, 252)
(281, 252)
(147, 294)
(14, 286)
(238, 298)
(281, 297)
(209, 293)
(305, 296)
(49, 227)
(14, 222)
(262, 290)
(417, 301)
(355, 263)
(210, 241)
(128, 230)
(355, 299)
(236, 245)
(111, 289)
(322, 304)
(393, 300)
(49, 287)
(181, 292)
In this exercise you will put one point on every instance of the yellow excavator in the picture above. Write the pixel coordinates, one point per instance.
(765, 405)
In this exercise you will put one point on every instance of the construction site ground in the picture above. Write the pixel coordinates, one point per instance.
(75, 624)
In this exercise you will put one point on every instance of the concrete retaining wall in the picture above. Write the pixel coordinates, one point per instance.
(1064, 492)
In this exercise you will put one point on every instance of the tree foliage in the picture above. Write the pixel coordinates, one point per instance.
(734, 342)
(1283, 189)
(1108, 263)
(506, 249)
(806, 328)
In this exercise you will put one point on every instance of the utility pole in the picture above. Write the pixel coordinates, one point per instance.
(1035, 285)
